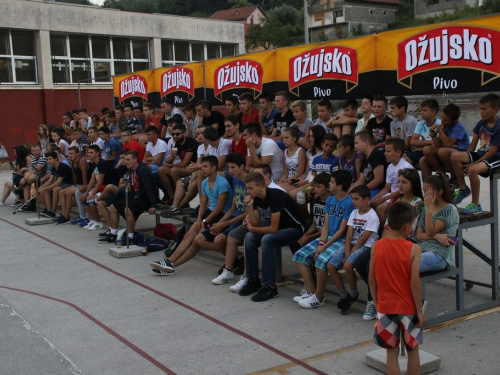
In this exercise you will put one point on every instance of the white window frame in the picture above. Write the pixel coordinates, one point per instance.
(13, 59)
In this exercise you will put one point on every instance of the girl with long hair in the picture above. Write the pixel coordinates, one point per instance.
(43, 137)
(294, 161)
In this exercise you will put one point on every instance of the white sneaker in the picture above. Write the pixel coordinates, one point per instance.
(96, 226)
(2, 204)
(298, 298)
(240, 284)
(224, 277)
(311, 302)
(91, 223)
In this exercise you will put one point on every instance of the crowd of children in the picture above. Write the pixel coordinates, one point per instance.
(255, 172)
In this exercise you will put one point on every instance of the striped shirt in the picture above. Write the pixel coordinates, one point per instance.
(41, 161)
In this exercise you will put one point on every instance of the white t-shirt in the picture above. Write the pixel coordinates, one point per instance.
(361, 123)
(272, 185)
(361, 223)
(225, 148)
(66, 146)
(100, 143)
(323, 124)
(268, 147)
(160, 147)
(202, 151)
(392, 173)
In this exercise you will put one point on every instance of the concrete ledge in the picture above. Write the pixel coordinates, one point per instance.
(123, 252)
(37, 221)
(377, 359)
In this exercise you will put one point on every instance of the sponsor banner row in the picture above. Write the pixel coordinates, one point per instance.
(455, 57)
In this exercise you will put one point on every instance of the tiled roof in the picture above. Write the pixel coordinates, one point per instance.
(235, 14)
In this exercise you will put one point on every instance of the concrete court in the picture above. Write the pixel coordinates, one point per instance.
(67, 306)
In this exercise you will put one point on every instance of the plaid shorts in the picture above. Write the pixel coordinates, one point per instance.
(306, 254)
(388, 331)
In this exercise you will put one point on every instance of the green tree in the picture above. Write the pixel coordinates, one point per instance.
(282, 27)
(490, 6)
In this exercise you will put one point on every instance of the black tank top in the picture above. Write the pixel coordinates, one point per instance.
(79, 175)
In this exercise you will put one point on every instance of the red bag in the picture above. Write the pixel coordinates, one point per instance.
(165, 230)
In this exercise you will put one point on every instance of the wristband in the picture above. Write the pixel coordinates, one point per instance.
(321, 243)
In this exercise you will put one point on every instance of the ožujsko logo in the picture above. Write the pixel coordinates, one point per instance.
(322, 63)
(133, 86)
(177, 79)
(450, 47)
(238, 74)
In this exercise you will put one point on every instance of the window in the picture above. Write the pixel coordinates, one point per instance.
(432, 2)
(338, 13)
(174, 52)
(17, 57)
(91, 59)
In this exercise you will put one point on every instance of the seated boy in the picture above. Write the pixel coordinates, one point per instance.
(394, 149)
(421, 137)
(343, 124)
(380, 125)
(338, 208)
(403, 125)
(484, 160)
(298, 108)
(216, 200)
(398, 294)
(447, 138)
(362, 232)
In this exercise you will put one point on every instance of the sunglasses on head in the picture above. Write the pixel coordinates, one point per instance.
(405, 172)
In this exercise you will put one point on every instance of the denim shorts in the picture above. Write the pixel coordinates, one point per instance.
(353, 256)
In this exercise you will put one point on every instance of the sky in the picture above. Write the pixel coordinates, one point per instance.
(98, 2)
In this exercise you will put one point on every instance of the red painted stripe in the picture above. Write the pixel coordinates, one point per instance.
(190, 308)
(102, 325)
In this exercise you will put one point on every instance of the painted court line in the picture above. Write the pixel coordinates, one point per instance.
(100, 324)
(171, 299)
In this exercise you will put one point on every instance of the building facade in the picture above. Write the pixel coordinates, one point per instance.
(55, 57)
(339, 19)
(430, 8)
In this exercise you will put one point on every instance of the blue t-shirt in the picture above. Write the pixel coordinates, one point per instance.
(113, 145)
(320, 165)
(239, 191)
(268, 122)
(459, 132)
(422, 129)
(487, 137)
(337, 210)
(221, 186)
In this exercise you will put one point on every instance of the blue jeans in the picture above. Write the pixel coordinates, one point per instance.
(268, 242)
(431, 262)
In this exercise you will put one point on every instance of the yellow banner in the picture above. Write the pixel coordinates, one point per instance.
(248, 72)
(137, 84)
(177, 79)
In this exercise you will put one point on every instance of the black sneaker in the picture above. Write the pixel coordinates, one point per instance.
(25, 208)
(163, 273)
(105, 234)
(162, 265)
(62, 220)
(345, 303)
(16, 204)
(265, 293)
(239, 265)
(45, 213)
(253, 285)
(90, 202)
(108, 239)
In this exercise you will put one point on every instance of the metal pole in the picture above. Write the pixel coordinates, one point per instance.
(126, 212)
(204, 82)
(306, 40)
(79, 96)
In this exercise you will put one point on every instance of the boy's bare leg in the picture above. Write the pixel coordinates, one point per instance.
(307, 275)
(203, 243)
(393, 362)
(164, 174)
(431, 154)
(475, 183)
(425, 168)
(231, 251)
(458, 159)
(191, 194)
(183, 247)
(55, 198)
(180, 193)
(351, 276)
(103, 210)
(322, 278)
(382, 210)
(337, 130)
(108, 190)
(69, 193)
(413, 366)
(445, 156)
(346, 129)
(336, 278)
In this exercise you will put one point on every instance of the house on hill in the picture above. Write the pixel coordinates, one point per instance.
(250, 15)
(338, 19)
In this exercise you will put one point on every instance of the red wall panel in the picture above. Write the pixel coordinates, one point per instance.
(24, 110)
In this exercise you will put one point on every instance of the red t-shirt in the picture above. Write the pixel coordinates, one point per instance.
(135, 146)
(254, 117)
(240, 147)
(392, 266)
(156, 122)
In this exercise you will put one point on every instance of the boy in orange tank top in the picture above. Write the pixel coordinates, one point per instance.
(395, 285)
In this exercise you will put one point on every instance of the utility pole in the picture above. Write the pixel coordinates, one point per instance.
(306, 41)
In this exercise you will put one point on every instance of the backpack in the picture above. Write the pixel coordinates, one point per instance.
(155, 244)
(165, 230)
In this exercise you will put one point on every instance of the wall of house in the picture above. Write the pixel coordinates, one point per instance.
(373, 15)
(257, 15)
(424, 11)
